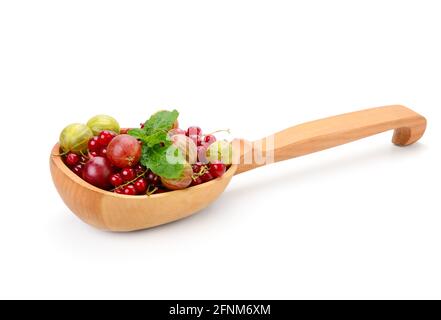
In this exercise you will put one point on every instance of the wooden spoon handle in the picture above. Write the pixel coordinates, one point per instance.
(326, 133)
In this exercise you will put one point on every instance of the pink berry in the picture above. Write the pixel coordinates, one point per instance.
(72, 159)
(209, 139)
(194, 131)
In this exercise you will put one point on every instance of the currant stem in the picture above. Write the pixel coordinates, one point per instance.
(130, 182)
(218, 131)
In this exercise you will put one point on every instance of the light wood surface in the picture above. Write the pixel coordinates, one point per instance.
(326, 133)
(110, 211)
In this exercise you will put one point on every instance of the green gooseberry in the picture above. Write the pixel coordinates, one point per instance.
(75, 137)
(103, 122)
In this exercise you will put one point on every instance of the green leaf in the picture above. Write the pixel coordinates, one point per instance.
(161, 121)
(157, 159)
(137, 133)
(158, 137)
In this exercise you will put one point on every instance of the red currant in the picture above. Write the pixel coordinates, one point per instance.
(193, 131)
(105, 137)
(128, 174)
(116, 180)
(119, 190)
(141, 185)
(139, 169)
(93, 154)
(197, 181)
(197, 167)
(142, 125)
(93, 144)
(130, 190)
(102, 152)
(72, 159)
(206, 177)
(209, 139)
(217, 169)
(153, 179)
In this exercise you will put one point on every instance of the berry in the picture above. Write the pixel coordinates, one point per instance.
(197, 181)
(93, 154)
(197, 167)
(116, 180)
(209, 139)
(97, 171)
(124, 151)
(78, 169)
(128, 174)
(217, 169)
(93, 144)
(193, 131)
(141, 185)
(139, 169)
(153, 179)
(119, 190)
(202, 154)
(129, 190)
(105, 137)
(206, 177)
(102, 152)
(142, 125)
(72, 159)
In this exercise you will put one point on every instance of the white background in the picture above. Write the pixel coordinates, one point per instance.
(359, 221)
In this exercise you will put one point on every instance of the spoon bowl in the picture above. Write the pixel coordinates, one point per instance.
(115, 212)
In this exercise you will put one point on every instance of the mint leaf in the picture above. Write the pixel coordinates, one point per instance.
(157, 158)
(137, 133)
(158, 137)
(161, 121)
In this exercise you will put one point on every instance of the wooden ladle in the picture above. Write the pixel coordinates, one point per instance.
(110, 211)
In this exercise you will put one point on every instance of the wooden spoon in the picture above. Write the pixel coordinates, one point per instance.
(110, 211)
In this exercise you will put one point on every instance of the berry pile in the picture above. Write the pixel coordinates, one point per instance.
(115, 161)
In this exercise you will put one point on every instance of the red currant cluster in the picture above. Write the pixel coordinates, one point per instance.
(136, 181)
(112, 163)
